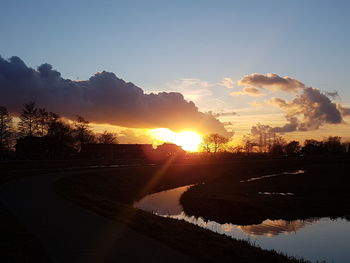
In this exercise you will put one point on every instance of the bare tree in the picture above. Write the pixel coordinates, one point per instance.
(214, 142)
(263, 136)
(28, 125)
(249, 143)
(235, 149)
(107, 138)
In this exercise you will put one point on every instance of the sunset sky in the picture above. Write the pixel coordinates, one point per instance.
(243, 61)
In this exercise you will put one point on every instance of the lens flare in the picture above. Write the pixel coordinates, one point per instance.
(188, 140)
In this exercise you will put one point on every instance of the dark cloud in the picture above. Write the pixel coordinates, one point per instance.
(309, 111)
(104, 98)
(344, 111)
(269, 81)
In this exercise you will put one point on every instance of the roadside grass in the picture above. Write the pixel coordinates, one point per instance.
(16, 243)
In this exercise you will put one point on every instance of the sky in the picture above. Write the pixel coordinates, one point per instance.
(201, 49)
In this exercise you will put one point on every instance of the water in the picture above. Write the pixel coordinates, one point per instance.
(297, 172)
(313, 239)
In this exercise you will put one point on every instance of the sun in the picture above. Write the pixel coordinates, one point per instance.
(188, 140)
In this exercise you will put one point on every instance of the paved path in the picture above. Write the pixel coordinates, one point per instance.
(70, 233)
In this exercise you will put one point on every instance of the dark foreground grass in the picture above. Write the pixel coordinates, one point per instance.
(16, 243)
(111, 192)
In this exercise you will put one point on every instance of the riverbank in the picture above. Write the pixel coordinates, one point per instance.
(321, 191)
(111, 193)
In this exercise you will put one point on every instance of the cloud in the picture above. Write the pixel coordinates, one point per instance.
(103, 98)
(251, 91)
(223, 113)
(192, 89)
(228, 123)
(129, 136)
(332, 95)
(344, 111)
(256, 104)
(271, 82)
(228, 83)
(309, 111)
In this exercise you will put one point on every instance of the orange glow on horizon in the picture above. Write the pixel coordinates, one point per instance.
(188, 140)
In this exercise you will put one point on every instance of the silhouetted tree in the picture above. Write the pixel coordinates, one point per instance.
(248, 143)
(107, 138)
(333, 145)
(235, 149)
(44, 119)
(214, 142)
(82, 132)
(263, 136)
(60, 139)
(28, 124)
(278, 145)
(313, 147)
(292, 147)
(167, 150)
(5, 130)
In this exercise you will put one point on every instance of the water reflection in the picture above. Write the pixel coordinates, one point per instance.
(274, 193)
(166, 203)
(276, 227)
(273, 175)
(313, 239)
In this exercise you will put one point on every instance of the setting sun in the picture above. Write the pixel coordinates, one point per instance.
(188, 140)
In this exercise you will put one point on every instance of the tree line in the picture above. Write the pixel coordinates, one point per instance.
(39, 132)
(263, 140)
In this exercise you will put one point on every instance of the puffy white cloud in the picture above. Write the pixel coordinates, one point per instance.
(228, 83)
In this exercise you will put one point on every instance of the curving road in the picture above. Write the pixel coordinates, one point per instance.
(70, 233)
